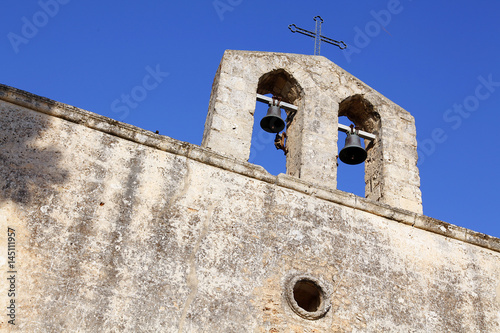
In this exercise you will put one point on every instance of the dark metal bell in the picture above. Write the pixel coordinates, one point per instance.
(272, 122)
(353, 152)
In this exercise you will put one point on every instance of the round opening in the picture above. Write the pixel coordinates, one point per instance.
(307, 295)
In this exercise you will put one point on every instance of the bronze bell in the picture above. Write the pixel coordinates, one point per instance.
(353, 152)
(272, 122)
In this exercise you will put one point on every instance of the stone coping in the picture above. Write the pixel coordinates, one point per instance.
(207, 156)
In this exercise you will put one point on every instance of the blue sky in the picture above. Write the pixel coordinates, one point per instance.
(437, 59)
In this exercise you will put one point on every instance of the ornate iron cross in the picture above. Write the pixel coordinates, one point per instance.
(318, 37)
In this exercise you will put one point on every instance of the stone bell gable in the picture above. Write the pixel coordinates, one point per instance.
(322, 91)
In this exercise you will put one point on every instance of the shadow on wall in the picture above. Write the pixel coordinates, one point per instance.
(27, 170)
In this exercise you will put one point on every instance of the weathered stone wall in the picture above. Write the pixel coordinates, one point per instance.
(318, 87)
(120, 229)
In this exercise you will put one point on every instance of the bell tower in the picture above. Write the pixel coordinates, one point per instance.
(322, 92)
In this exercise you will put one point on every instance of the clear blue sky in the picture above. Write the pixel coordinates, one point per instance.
(437, 59)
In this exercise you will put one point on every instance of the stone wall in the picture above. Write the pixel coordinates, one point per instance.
(121, 229)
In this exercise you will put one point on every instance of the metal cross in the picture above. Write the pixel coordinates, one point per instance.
(318, 37)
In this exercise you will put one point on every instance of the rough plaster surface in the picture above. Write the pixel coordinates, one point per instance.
(122, 230)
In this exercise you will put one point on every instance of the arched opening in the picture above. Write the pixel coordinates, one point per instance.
(359, 179)
(263, 151)
(350, 178)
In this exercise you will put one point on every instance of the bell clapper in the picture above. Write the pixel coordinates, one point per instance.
(280, 142)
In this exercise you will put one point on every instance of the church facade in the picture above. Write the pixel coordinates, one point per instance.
(115, 228)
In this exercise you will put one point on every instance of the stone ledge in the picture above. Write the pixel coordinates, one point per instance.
(206, 156)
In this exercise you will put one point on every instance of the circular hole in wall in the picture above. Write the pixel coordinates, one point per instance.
(307, 295)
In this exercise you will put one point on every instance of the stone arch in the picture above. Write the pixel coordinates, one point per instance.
(280, 83)
(361, 112)
(364, 115)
